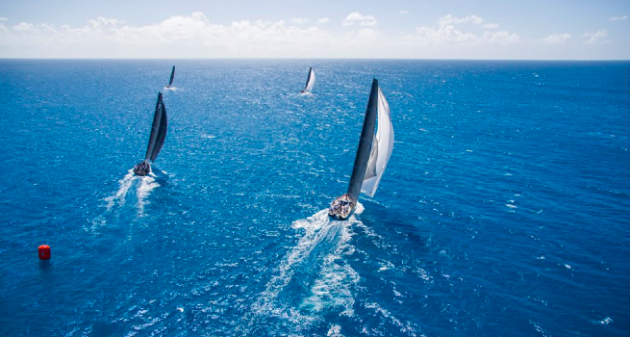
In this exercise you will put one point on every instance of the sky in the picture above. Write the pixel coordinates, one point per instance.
(391, 29)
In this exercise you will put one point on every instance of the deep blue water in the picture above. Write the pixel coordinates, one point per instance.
(504, 210)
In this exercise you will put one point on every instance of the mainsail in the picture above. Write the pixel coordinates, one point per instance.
(158, 130)
(365, 145)
(310, 80)
(172, 77)
(381, 149)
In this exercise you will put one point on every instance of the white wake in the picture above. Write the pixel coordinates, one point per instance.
(317, 260)
(144, 187)
(147, 184)
(119, 196)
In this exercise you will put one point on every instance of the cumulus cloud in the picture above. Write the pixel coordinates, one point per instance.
(556, 39)
(299, 20)
(404, 11)
(595, 37)
(195, 36)
(618, 18)
(358, 18)
(448, 33)
(451, 20)
(192, 36)
(442, 35)
(503, 38)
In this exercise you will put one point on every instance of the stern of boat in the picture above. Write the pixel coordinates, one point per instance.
(142, 169)
(341, 208)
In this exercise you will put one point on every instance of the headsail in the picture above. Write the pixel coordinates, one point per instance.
(382, 148)
(310, 80)
(158, 130)
(172, 77)
(365, 145)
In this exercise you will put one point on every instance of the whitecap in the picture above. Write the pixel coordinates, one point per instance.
(605, 321)
(334, 331)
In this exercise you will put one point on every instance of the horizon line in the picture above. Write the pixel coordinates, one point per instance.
(309, 58)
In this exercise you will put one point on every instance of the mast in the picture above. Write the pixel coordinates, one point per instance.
(155, 127)
(365, 145)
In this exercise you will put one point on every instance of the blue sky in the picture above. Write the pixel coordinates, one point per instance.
(582, 30)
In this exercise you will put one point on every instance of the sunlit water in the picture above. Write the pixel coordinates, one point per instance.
(504, 211)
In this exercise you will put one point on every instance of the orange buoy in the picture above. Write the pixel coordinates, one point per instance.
(44, 252)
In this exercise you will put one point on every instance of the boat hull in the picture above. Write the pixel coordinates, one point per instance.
(142, 169)
(341, 208)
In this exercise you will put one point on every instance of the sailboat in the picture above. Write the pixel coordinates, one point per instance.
(172, 77)
(375, 149)
(310, 81)
(156, 139)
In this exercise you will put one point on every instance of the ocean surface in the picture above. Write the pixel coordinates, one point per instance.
(504, 210)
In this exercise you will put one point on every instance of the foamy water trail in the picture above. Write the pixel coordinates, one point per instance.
(147, 184)
(317, 261)
(125, 184)
(406, 328)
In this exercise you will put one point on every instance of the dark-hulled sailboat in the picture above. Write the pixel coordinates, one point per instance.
(375, 149)
(172, 77)
(310, 81)
(156, 139)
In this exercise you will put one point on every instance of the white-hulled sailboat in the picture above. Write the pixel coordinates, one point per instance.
(310, 81)
(375, 149)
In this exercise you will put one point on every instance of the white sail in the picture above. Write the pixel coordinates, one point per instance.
(381, 148)
(310, 82)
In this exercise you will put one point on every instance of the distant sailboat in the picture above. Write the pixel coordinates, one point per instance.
(156, 139)
(372, 155)
(310, 81)
(172, 77)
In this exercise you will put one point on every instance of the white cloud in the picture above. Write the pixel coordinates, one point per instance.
(404, 11)
(299, 20)
(447, 34)
(323, 20)
(451, 20)
(557, 38)
(596, 37)
(618, 18)
(362, 20)
(491, 26)
(503, 38)
(442, 35)
(195, 36)
(3, 18)
(192, 36)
